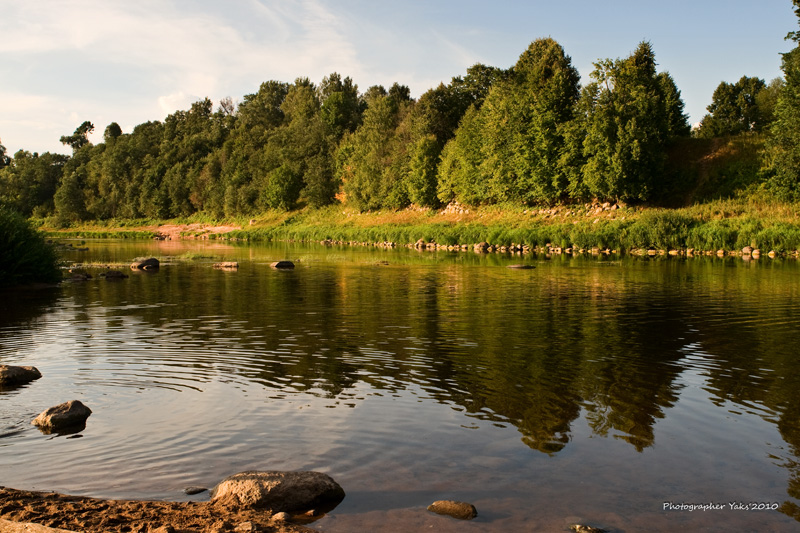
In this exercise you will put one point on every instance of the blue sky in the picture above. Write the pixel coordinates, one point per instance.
(129, 62)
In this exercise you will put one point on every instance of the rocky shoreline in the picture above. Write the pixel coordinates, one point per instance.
(50, 511)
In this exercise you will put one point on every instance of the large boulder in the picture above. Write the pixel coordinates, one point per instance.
(18, 375)
(64, 416)
(292, 492)
(150, 263)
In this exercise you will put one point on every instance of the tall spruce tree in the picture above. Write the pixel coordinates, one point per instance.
(630, 119)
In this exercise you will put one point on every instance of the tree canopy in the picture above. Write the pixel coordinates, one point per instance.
(529, 134)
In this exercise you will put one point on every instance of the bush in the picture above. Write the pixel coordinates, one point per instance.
(25, 257)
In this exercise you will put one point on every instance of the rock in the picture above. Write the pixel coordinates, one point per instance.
(578, 528)
(521, 267)
(481, 247)
(18, 375)
(79, 276)
(150, 263)
(226, 265)
(460, 510)
(245, 527)
(747, 250)
(65, 415)
(290, 492)
(164, 529)
(281, 517)
(114, 274)
(192, 490)
(282, 265)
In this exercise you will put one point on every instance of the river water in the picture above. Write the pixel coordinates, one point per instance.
(604, 391)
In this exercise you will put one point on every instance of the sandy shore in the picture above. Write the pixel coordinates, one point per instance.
(41, 512)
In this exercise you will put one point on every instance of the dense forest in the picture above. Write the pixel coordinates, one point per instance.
(529, 134)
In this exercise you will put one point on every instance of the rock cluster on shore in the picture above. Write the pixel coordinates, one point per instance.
(550, 249)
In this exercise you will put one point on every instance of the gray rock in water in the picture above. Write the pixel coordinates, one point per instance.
(226, 265)
(522, 267)
(292, 492)
(282, 265)
(150, 263)
(18, 375)
(191, 491)
(460, 510)
(65, 415)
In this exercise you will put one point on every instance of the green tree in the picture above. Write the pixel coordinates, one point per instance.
(29, 182)
(421, 181)
(70, 204)
(783, 149)
(458, 174)
(341, 107)
(628, 127)
(511, 148)
(541, 96)
(80, 137)
(4, 159)
(767, 101)
(373, 160)
(112, 132)
(673, 106)
(734, 109)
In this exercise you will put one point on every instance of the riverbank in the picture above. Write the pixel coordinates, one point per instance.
(719, 227)
(92, 515)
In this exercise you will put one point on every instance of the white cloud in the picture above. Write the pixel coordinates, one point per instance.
(156, 57)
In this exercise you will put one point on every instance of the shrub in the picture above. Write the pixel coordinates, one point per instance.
(25, 257)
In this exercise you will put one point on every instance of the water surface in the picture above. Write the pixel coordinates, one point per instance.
(585, 390)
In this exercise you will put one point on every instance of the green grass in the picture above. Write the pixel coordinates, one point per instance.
(757, 220)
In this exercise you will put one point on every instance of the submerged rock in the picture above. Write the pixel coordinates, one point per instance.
(291, 492)
(191, 491)
(114, 274)
(282, 265)
(460, 510)
(151, 263)
(18, 375)
(522, 267)
(226, 265)
(66, 415)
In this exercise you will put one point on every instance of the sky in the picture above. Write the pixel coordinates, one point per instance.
(62, 63)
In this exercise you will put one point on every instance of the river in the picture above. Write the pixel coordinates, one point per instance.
(614, 392)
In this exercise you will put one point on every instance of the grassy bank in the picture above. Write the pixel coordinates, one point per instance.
(724, 224)
(756, 221)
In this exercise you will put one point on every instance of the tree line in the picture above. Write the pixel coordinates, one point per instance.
(529, 134)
